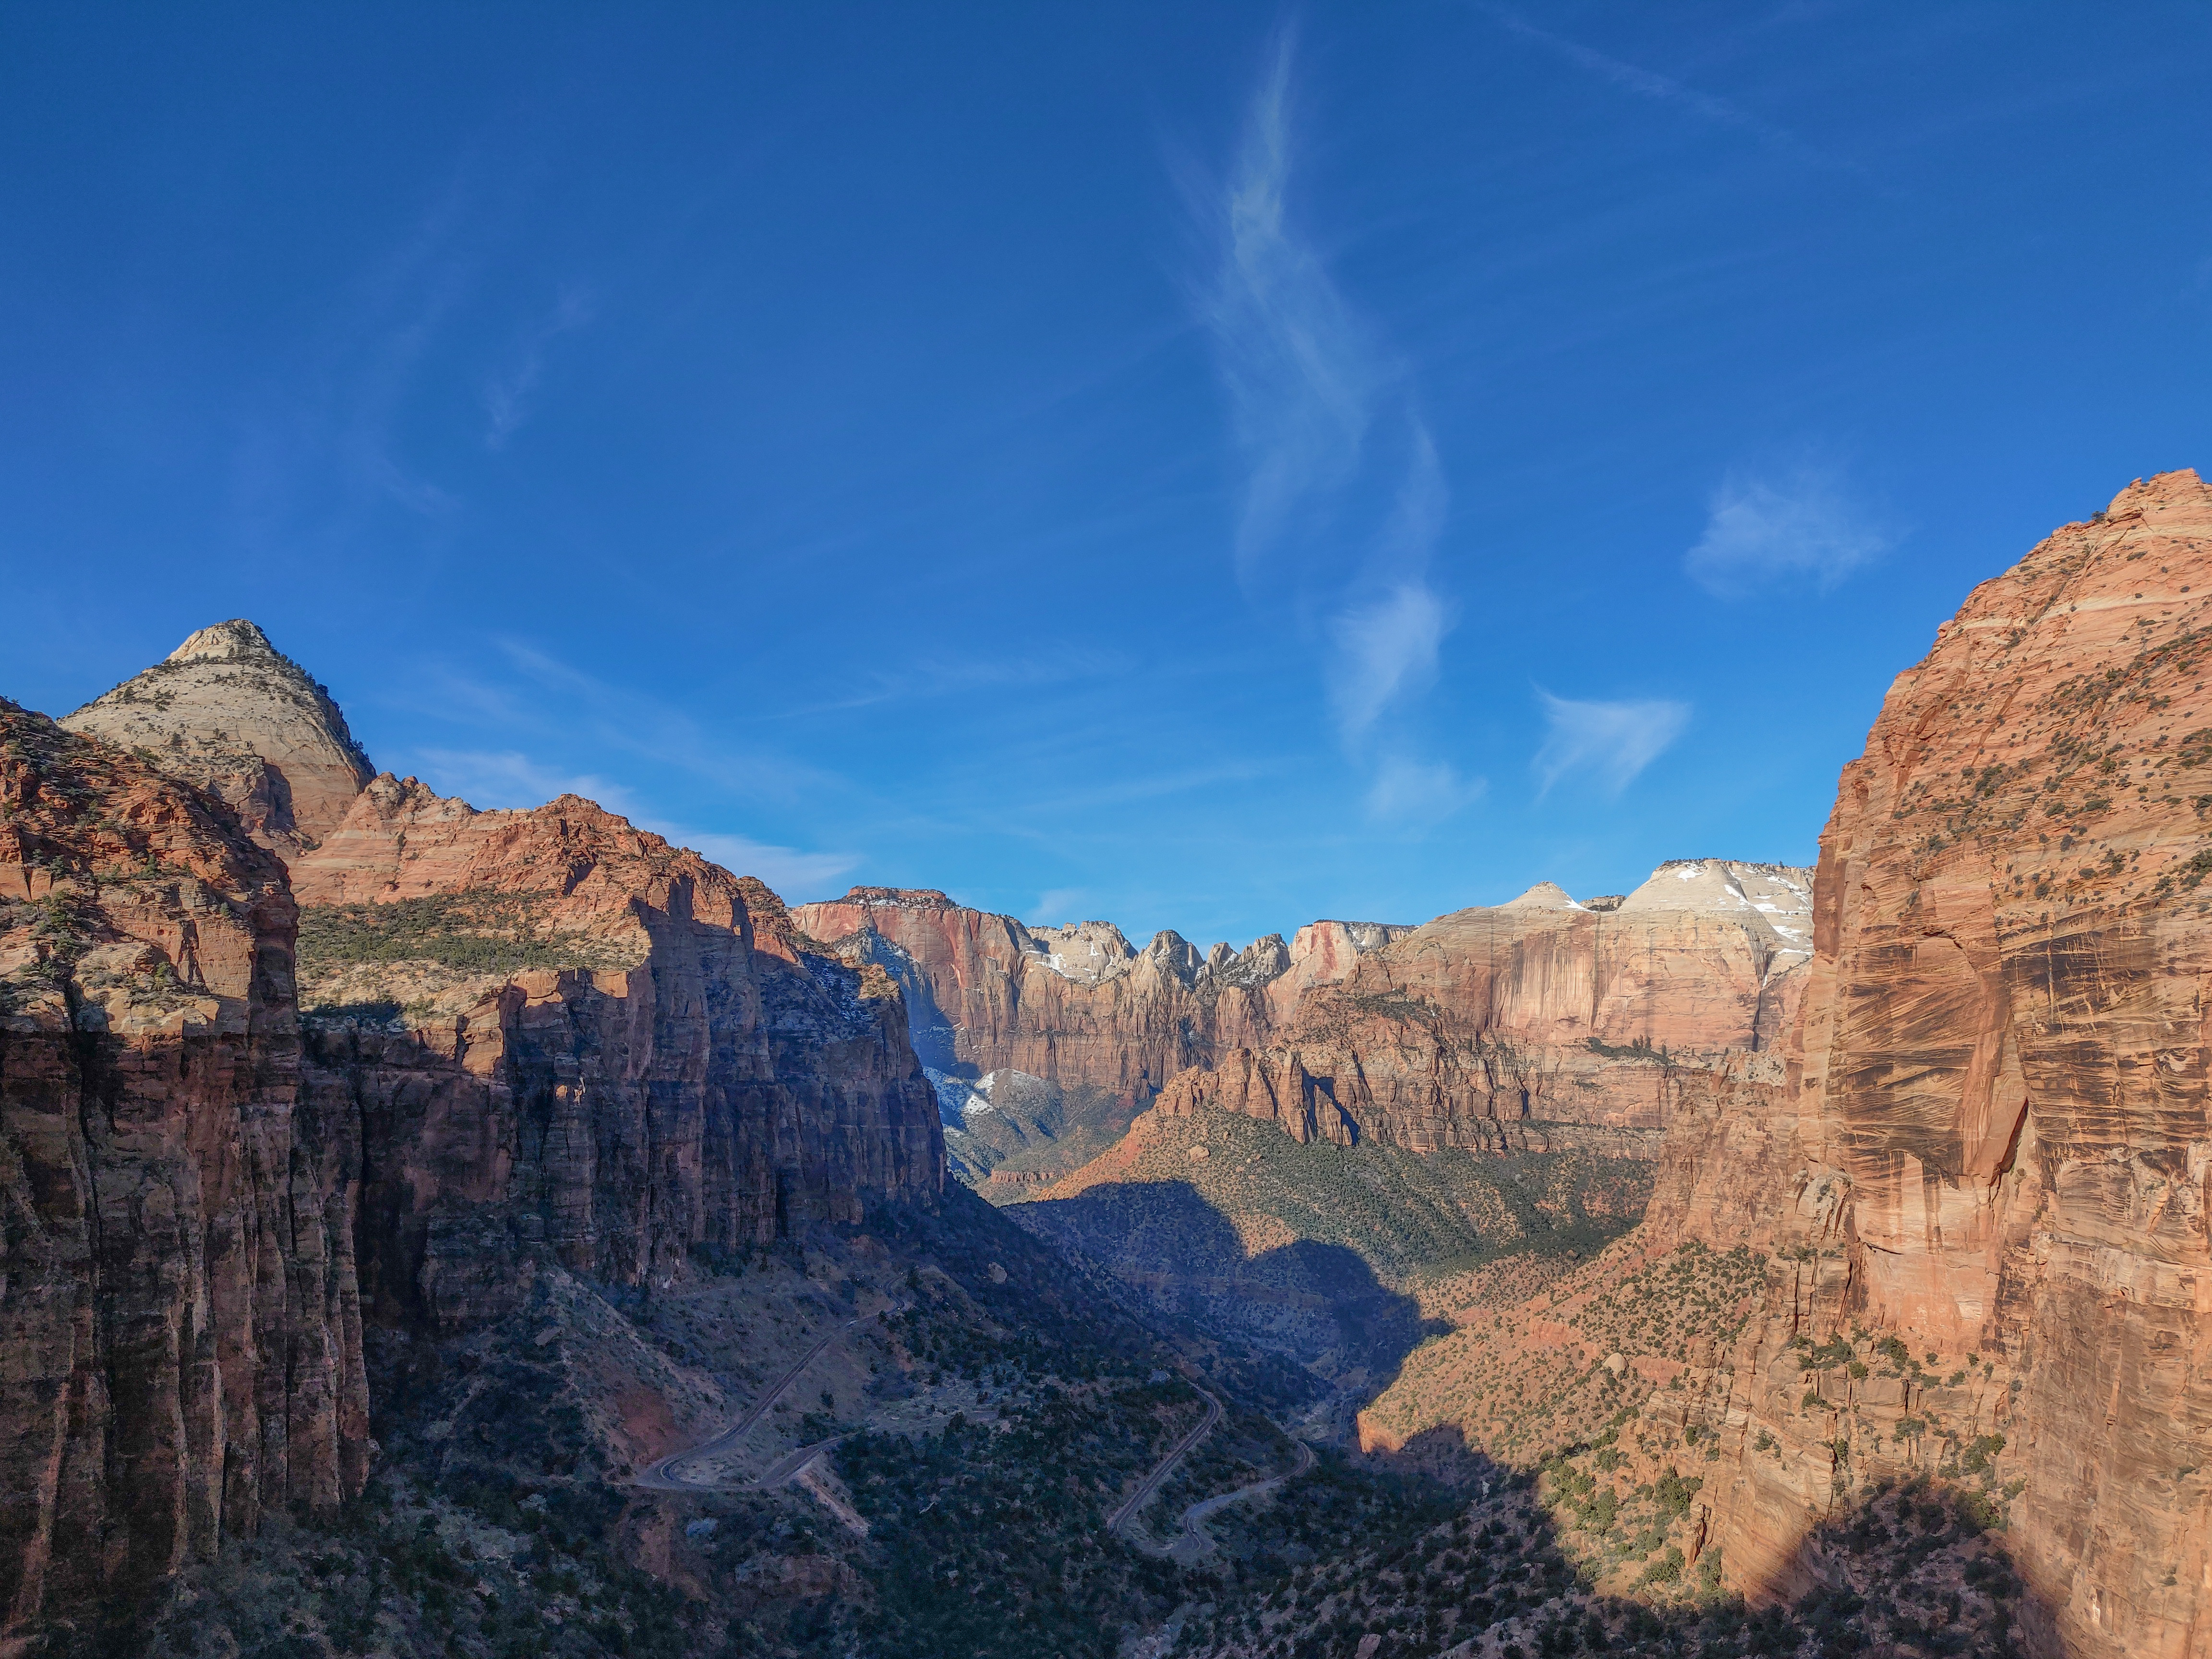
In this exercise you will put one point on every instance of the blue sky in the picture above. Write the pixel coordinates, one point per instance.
(1204, 467)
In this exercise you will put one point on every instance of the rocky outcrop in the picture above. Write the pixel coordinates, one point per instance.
(180, 1345)
(1974, 1208)
(507, 1039)
(227, 712)
(1995, 1139)
(564, 1034)
(1080, 1005)
(1540, 1009)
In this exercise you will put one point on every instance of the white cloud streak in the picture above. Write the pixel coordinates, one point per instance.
(1802, 524)
(1301, 368)
(1665, 89)
(1386, 650)
(1611, 742)
(509, 397)
(1419, 794)
(796, 876)
(1312, 390)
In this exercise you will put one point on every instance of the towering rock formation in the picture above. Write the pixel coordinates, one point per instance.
(522, 1037)
(561, 1030)
(1464, 1031)
(226, 711)
(1995, 1135)
(1982, 1183)
(180, 1335)
(1079, 1004)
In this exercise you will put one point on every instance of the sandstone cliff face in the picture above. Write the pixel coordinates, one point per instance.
(1981, 1189)
(561, 1030)
(1540, 1010)
(1080, 1005)
(1995, 1138)
(528, 1037)
(179, 1324)
(226, 711)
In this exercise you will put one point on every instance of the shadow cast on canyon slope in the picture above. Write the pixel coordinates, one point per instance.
(1318, 1303)
(1909, 1570)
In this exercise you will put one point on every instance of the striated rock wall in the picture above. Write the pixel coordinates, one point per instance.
(506, 1039)
(227, 711)
(1079, 1004)
(1994, 1140)
(180, 1334)
(562, 1032)
(1541, 1009)
(1988, 1172)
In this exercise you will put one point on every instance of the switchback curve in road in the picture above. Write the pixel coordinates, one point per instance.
(1138, 1498)
(1198, 1513)
(661, 1476)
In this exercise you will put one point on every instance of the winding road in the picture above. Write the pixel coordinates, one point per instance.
(1198, 1513)
(1138, 1498)
(661, 1476)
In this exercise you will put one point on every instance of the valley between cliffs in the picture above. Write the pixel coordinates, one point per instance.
(1764, 1262)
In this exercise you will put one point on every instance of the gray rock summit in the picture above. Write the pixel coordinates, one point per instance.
(227, 711)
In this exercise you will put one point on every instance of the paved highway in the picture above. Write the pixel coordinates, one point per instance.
(662, 1476)
(1138, 1498)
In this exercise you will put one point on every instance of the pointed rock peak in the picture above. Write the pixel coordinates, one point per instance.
(1544, 896)
(227, 711)
(236, 641)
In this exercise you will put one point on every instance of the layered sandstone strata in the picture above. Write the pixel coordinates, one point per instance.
(228, 712)
(564, 1031)
(179, 1334)
(1981, 1190)
(526, 1036)
(1538, 1010)
(1996, 1137)
(1080, 1005)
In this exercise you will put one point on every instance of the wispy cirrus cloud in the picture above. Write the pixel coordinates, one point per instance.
(1301, 368)
(1801, 523)
(1609, 741)
(1419, 794)
(1666, 89)
(1343, 498)
(510, 395)
(490, 779)
(796, 876)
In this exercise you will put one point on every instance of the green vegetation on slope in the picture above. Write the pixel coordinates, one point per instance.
(477, 932)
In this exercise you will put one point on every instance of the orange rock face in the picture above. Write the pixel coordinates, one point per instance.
(1079, 1004)
(1541, 1010)
(180, 1343)
(564, 1030)
(1995, 1139)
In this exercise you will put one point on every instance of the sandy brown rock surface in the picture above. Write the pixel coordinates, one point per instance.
(1487, 1024)
(228, 712)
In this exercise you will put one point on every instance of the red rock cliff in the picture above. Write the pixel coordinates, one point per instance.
(1995, 1143)
(1079, 1004)
(1541, 1009)
(561, 1030)
(179, 1336)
